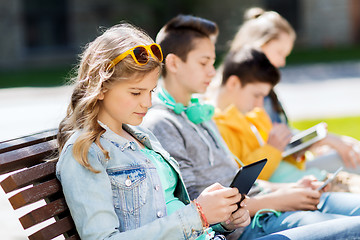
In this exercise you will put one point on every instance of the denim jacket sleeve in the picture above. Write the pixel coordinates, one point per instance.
(89, 197)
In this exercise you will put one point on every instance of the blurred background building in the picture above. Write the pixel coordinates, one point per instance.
(37, 33)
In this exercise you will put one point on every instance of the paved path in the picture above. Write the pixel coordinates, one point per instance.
(29, 110)
(336, 92)
(321, 90)
(325, 99)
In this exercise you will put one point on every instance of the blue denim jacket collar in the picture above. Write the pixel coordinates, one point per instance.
(140, 135)
(123, 143)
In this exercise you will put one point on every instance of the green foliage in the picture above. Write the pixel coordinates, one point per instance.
(349, 126)
(315, 55)
(47, 77)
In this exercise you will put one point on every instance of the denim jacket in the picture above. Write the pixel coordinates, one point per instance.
(125, 199)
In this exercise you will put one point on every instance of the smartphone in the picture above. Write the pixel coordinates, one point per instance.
(246, 176)
(330, 179)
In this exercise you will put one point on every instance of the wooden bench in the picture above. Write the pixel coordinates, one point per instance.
(30, 177)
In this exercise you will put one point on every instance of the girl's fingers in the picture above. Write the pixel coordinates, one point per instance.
(243, 220)
(233, 208)
(239, 218)
(313, 194)
(229, 192)
(234, 199)
(213, 187)
(311, 202)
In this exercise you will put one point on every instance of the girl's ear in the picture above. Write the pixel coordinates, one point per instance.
(101, 95)
(233, 83)
(171, 62)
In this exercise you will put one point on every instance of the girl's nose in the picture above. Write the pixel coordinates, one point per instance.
(212, 71)
(146, 103)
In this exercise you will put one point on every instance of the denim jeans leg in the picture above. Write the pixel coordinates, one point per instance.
(340, 203)
(342, 228)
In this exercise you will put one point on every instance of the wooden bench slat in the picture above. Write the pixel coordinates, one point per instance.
(13, 144)
(26, 157)
(23, 161)
(35, 193)
(53, 230)
(28, 176)
(43, 213)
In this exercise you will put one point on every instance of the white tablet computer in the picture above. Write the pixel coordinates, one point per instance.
(305, 138)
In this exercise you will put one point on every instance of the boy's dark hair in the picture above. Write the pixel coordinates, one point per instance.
(250, 65)
(178, 35)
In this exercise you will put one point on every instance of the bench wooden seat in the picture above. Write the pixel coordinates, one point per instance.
(30, 177)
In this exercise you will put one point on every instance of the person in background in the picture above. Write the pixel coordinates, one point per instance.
(248, 76)
(183, 124)
(118, 181)
(275, 36)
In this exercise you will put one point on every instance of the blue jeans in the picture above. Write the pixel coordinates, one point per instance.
(342, 228)
(332, 206)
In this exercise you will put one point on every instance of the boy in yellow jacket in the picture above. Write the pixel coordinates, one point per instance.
(248, 76)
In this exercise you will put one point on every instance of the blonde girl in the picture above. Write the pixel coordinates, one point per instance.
(119, 183)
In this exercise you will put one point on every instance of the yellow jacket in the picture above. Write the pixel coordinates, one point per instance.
(235, 128)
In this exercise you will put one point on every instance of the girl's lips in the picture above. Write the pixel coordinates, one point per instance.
(207, 83)
(141, 114)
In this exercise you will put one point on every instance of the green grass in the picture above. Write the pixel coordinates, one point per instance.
(349, 126)
(46, 77)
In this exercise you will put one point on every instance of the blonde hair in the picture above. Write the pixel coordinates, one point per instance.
(259, 28)
(93, 78)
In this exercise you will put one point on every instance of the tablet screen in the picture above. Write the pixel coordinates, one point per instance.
(247, 175)
(302, 140)
(305, 138)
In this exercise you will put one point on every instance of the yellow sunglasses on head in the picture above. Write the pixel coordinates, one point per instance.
(140, 54)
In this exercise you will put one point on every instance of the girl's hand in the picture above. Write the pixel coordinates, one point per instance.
(240, 218)
(218, 202)
(349, 150)
(279, 136)
(347, 147)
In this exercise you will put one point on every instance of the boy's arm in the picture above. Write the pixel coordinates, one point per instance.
(284, 197)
